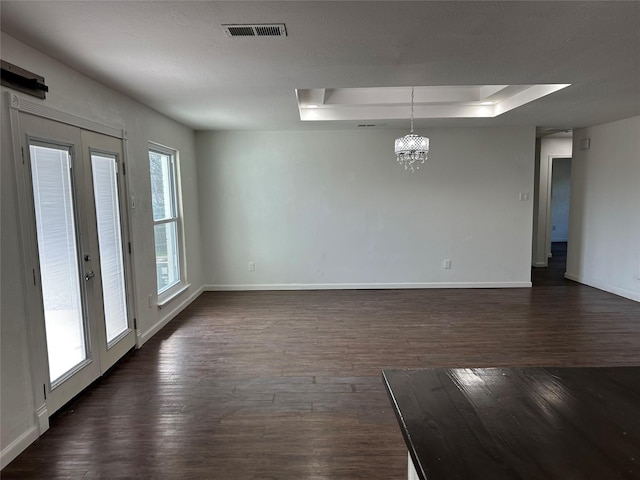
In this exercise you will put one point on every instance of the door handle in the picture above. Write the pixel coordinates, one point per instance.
(89, 275)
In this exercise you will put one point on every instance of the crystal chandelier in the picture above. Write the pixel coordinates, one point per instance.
(412, 150)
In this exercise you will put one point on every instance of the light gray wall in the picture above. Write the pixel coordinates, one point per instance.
(560, 190)
(334, 209)
(76, 94)
(604, 224)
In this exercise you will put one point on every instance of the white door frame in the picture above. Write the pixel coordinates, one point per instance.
(37, 343)
(547, 237)
(543, 235)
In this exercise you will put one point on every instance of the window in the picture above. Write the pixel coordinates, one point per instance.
(166, 218)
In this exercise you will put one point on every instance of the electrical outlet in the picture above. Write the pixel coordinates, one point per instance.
(447, 263)
(150, 301)
(252, 266)
(524, 196)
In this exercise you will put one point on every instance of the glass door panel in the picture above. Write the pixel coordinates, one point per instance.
(59, 267)
(77, 233)
(105, 191)
(107, 218)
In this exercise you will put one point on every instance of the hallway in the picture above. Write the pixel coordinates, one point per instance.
(553, 275)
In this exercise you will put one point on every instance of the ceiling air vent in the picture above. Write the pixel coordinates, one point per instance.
(256, 30)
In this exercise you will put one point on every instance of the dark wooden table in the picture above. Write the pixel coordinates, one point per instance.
(519, 423)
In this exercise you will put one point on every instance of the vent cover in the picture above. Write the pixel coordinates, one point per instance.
(256, 30)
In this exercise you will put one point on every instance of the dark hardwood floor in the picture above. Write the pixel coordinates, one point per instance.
(287, 385)
(553, 274)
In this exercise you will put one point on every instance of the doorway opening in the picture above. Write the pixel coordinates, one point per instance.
(560, 200)
(552, 183)
(556, 227)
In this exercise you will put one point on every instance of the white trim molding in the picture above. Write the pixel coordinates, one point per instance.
(163, 301)
(16, 447)
(363, 286)
(144, 336)
(604, 286)
(42, 414)
(39, 110)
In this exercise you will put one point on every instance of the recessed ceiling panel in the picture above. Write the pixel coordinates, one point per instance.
(382, 103)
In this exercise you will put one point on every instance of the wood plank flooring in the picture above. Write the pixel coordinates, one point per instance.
(553, 275)
(287, 385)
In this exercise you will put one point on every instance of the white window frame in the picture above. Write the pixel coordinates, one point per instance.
(172, 291)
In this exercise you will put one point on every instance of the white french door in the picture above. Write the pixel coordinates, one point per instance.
(82, 266)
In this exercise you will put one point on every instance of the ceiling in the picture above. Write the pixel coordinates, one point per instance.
(176, 58)
(372, 103)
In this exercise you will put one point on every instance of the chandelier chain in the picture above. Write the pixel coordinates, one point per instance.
(412, 109)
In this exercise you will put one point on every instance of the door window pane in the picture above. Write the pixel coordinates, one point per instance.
(59, 269)
(105, 190)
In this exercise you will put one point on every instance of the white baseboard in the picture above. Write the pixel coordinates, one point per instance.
(42, 414)
(540, 264)
(144, 336)
(363, 286)
(603, 286)
(16, 447)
